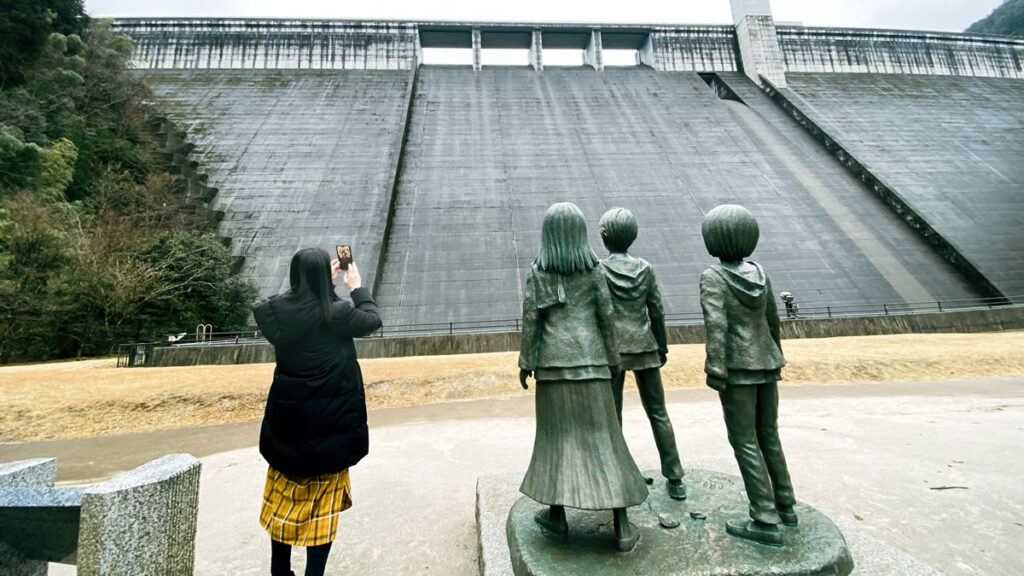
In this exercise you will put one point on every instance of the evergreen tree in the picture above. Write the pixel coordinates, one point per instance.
(1007, 19)
(24, 27)
(98, 243)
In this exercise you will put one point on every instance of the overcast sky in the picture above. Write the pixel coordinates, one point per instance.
(944, 15)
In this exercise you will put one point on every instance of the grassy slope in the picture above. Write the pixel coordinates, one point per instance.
(93, 398)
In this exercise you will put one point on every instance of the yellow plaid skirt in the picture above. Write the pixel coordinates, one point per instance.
(304, 511)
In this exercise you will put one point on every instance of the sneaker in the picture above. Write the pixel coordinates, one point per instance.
(788, 515)
(543, 517)
(750, 530)
(676, 489)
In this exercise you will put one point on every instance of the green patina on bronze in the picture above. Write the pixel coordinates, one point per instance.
(730, 232)
(744, 359)
(580, 459)
(618, 229)
(697, 546)
(741, 317)
(563, 241)
(639, 313)
(568, 331)
(640, 329)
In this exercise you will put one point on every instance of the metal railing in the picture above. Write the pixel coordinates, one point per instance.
(138, 353)
(884, 309)
(131, 355)
(813, 310)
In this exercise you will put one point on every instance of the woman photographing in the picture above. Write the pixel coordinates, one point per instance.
(314, 428)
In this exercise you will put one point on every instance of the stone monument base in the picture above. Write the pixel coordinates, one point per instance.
(697, 545)
(497, 494)
(677, 538)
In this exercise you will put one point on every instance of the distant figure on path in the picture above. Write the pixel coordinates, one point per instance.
(744, 362)
(314, 427)
(790, 303)
(640, 332)
(579, 458)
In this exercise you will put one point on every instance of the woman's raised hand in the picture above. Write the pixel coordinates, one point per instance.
(352, 278)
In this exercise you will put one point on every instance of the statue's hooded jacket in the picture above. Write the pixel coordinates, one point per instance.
(315, 419)
(741, 321)
(639, 314)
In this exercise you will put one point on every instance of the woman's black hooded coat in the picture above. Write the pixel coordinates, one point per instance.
(315, 420)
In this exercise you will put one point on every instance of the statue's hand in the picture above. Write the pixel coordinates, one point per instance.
(663, 357)
(716, 383)
(523, 375)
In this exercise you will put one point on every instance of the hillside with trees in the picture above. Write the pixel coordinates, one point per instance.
(99, 242)
(1007, 19)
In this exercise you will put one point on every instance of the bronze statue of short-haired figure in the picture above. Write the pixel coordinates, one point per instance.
(744, 362)
(640, 331)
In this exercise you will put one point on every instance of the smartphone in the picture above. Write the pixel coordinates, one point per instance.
(344, 255)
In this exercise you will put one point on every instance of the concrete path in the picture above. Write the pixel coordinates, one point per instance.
(933, 469)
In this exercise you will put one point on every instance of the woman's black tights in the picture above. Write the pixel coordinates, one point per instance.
(281, 559)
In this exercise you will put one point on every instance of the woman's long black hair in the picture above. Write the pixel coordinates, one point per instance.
(310, 276)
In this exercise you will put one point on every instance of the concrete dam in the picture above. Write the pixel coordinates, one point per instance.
(883, 166)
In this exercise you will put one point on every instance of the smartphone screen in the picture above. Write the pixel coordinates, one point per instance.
(344, 255)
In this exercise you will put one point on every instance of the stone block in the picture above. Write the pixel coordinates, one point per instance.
(24, 474)
(139, 523)
(142, 522)
(494, 498)
(35, 473)
(40, 524)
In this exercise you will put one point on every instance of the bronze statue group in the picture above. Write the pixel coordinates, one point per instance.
(586, 322)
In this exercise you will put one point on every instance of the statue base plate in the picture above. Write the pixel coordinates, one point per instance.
(699, 543)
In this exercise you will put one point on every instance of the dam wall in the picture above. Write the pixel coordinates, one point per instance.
(381, 45)
(690, 49)
(189, 43)
(847, 50)
(944, 151)
(317, 132)
(184, 43)
(487, 152)
(298, 158)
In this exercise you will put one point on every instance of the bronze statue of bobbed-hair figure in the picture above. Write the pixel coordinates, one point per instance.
(618, 229)
(743, 363)
(563, 241)
(730, 232)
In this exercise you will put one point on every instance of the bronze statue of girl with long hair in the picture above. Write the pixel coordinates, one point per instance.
(580, 459)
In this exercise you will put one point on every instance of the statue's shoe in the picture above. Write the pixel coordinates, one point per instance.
(788, 515)
(750, 530)
(543, 517)
(677, 491)
(629, 542)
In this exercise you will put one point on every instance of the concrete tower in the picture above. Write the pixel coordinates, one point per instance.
(759, 46)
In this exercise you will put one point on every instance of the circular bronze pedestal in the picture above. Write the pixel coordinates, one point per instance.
(696, 546)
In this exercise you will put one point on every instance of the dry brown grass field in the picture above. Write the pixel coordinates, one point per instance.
(95, 398)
